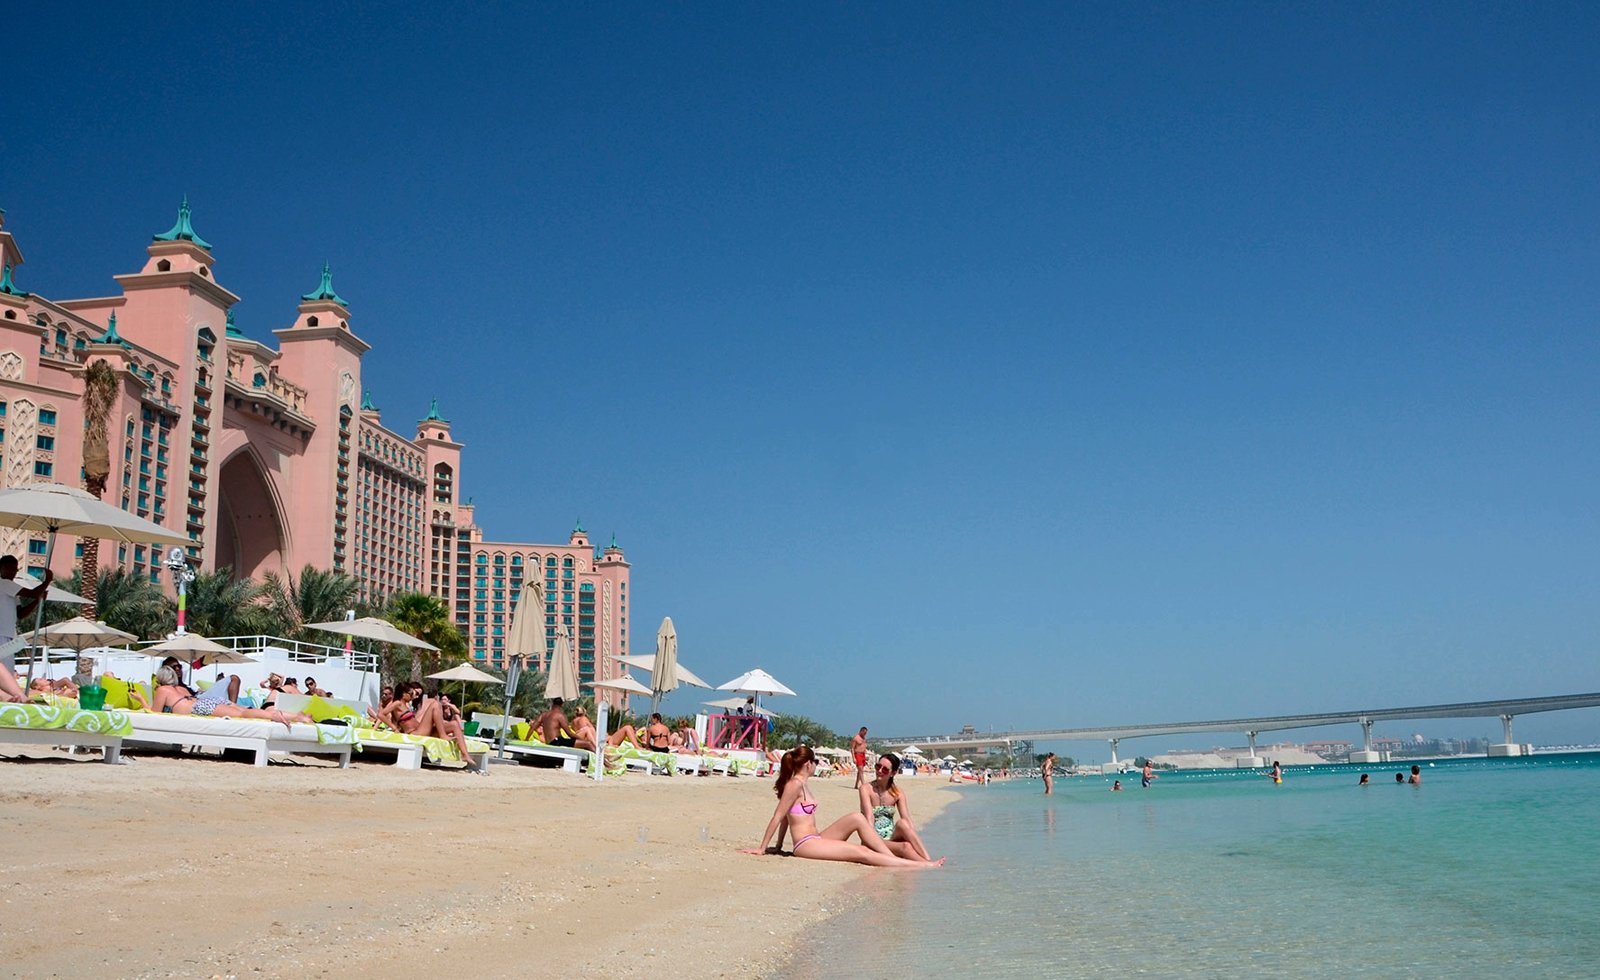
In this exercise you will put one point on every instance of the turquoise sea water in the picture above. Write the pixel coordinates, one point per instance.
(1490, 868)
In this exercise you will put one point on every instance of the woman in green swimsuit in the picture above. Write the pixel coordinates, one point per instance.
(884, 804)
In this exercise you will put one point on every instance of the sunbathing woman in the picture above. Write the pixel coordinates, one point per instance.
(884, 803)
(10, 688)
(174, 697)
(428, 718)
(796, 811)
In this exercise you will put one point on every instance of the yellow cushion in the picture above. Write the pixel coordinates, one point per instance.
(519, 731)
(116, 693)
(321, 711)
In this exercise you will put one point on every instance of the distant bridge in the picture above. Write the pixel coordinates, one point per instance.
(1504, 710)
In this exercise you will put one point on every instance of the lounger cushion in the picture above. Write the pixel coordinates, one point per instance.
(64, 715)
(436, 749)
(145, 721)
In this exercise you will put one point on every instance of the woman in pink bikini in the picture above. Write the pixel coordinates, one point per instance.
(796, 813)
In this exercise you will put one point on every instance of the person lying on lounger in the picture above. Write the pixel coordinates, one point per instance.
(796, 815)
(10, 687)
(172, 696)
(63, 687)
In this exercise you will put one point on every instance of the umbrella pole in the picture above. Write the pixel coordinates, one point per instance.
(38, 612)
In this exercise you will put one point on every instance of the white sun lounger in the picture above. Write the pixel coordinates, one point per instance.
(572, 760)
(261, 737)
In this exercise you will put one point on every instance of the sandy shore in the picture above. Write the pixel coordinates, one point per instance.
(200, 868)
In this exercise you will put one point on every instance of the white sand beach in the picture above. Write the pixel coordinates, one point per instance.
(201, 868)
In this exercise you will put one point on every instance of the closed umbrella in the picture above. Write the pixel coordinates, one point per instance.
(664, 673)
(52, 508)
(563, 680)
(527, 637)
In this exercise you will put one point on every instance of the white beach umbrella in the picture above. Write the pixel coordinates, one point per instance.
(466, 674)
(78, 633)
(562, 681)
(373, 628)
(625, 683)
(527, 638)
(52, 508)
(196, 650)
(757, 682)
(647, 661)
(52, 594)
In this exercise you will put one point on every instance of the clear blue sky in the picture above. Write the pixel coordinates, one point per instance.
(1015, 366)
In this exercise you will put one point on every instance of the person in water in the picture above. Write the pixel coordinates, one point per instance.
(1047, 772)
(884, 803)
(1416, 776)
(1116, 786)
(1148, 774)
(1276, 775)
(1364, 781)
(796, 816)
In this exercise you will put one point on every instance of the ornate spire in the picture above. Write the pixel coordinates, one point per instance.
(7, 286)
(232, 330)
(433, 413)
(325, 291)
(110, 336)
(183, 230)
(578, 527)
(614, 542)
(366, 401)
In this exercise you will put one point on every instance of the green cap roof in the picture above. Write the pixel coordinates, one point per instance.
(7, 286)
(433, 413)
(325, 290)
(110, 336)
(232, 330)
(578, 529)
(183, 230)
(366, 401)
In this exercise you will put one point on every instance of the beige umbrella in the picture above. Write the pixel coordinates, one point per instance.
(466, 674)
(53, 594)
(625, 683)
(52, 508)
(647, 661)
(562, 681)
(373, 628)
(79, 634)
(664, 673)
(196, 650)
(527, 637)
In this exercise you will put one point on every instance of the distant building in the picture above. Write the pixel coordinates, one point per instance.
(272, 458)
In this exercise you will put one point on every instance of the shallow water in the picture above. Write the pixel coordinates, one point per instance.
(1490, 868)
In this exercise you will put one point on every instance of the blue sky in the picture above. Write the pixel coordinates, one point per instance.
(1016, 366)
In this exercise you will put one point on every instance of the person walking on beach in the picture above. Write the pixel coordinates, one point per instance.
(1148, 774)
(1047, 772)
(858, 753)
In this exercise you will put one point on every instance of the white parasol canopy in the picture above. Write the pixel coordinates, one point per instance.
(757, 681)
(196, 649)
(373, 628)
(647, 661)
(52, 594)
(78, 633)
(466, 672)
(625, 683)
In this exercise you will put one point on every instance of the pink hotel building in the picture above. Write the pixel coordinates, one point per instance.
(272, 459)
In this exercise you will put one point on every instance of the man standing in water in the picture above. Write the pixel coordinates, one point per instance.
(1047, 772)
(1416, 776)
(858, 753)
(1148, 774)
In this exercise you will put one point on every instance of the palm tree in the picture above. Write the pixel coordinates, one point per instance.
(790, 730)
(126, 601)
(427, 618)
(219, 605)
(100, 387)
(317, 596)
